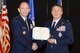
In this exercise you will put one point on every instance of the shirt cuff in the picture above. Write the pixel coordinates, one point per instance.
(55, 41)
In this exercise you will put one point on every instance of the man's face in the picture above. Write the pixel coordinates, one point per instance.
(56, 12)
(24, 9)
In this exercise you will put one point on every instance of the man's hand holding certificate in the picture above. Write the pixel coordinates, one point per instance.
(41, 33)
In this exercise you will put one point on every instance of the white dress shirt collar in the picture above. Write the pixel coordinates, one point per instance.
(55, 21)
(24, 18)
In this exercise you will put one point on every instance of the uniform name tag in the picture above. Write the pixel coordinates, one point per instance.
(23, 27)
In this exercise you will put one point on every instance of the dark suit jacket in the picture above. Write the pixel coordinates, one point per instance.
(63, 41)
(22, 37)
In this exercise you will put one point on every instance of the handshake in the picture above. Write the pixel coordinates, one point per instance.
(34, 46)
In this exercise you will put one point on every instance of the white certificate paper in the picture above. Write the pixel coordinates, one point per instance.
(40, 33)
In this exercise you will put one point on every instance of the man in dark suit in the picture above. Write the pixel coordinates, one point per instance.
(61, 34)
(21, 27)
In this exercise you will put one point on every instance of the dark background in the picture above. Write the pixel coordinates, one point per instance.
(42, 14)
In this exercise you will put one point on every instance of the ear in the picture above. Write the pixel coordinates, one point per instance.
(18, 9)
(62, 12)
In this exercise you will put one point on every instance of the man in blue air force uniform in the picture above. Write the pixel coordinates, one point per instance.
(61, 34)
(21, 30)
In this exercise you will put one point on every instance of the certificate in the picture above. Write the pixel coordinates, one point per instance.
(40, 33)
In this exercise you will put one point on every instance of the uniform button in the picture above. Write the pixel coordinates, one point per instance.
(51, 46)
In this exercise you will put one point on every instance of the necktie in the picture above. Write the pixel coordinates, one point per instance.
(27, 25)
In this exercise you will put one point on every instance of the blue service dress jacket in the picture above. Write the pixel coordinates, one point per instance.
(22, 42)
(63, 38)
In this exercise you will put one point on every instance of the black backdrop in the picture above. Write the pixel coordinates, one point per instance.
(42, 14)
